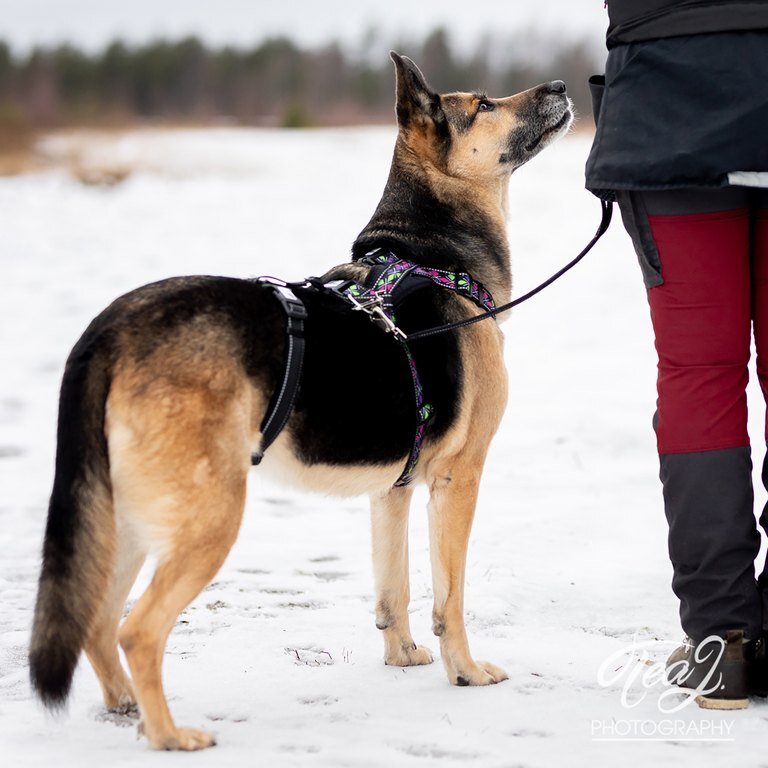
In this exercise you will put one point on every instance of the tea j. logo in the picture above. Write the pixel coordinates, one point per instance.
(639, 673)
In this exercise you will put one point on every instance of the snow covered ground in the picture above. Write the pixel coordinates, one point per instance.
(280, 656)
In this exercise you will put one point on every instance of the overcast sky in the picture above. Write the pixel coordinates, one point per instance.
(91, 23)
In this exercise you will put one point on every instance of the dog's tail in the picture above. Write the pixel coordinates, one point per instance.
(80, 533)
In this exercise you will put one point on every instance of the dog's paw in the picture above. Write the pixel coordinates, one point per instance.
(187, 739)
(192, 739)
(410, 656)
(125, 705)
(481, 673)
(121, 699)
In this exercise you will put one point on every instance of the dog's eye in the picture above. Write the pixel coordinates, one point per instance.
(486, 106)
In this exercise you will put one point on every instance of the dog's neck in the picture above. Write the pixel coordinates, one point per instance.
(442, 221)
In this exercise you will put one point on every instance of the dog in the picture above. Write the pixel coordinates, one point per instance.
(163, 398)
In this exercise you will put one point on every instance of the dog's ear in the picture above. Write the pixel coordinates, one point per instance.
(416, 101)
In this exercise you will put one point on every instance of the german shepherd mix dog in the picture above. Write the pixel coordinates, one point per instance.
(163, 397)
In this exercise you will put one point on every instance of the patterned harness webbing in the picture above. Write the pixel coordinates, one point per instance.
(378, 301)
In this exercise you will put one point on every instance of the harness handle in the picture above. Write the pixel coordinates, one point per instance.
(605, 222)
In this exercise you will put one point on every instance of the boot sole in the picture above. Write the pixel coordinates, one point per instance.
(705, 702)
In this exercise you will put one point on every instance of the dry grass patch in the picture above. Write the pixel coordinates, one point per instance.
(17, 150)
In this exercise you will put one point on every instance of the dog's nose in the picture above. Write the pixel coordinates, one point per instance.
(556, 86)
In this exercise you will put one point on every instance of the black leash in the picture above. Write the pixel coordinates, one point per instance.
(605, 222)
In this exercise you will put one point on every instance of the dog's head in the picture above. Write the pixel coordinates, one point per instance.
(472, 136)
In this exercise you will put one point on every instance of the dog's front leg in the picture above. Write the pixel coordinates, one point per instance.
(453, 495)
(389, 523)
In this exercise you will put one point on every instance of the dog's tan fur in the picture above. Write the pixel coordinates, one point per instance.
(182, 420)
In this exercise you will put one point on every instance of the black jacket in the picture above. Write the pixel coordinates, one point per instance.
(681, 105)
(632, 21)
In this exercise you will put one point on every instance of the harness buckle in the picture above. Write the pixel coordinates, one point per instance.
(292, 305)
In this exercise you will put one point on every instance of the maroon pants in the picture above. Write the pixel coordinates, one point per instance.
(704, 255)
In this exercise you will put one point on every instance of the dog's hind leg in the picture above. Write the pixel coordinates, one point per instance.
(453, 489)
(389, 522)
(101, 645)
(179, 475)
(190, 560)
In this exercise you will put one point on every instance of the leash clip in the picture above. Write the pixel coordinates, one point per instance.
(374, 308)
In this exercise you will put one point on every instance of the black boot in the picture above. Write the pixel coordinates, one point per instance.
(758, 668)
(718, 669)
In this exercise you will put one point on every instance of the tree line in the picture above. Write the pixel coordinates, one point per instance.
(275, 82)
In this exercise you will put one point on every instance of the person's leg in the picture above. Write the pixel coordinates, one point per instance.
(694, 247)
(760, 319)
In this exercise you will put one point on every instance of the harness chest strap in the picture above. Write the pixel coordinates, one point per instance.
(377, 297)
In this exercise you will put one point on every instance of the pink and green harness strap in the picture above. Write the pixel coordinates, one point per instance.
(378, 301)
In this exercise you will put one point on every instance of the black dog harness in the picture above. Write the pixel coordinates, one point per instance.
(388, 282)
